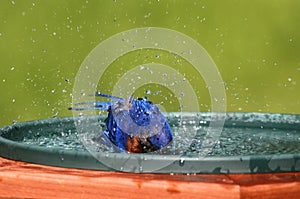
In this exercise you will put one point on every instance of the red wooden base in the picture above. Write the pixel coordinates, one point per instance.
(25, 180)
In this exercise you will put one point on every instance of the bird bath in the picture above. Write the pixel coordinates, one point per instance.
(249, 143)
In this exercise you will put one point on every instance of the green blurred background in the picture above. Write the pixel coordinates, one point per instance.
(254, 43)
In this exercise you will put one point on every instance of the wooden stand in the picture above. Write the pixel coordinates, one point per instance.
(25, 180)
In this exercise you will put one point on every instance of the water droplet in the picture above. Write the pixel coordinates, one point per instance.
(54, 33)
(157, 56)
(181, 162)
(13, 2)
(148, 92)
(12, 68)
(55, 115)
(13, 100)
(289, 79)
(147, 15)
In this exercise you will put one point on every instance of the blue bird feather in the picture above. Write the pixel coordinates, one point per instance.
(133, 125)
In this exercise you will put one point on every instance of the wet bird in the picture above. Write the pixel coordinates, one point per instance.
(132, 125)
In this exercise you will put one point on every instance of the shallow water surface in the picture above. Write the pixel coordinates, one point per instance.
(235, 140)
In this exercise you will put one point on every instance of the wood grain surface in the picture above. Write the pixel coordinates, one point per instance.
(26, 180)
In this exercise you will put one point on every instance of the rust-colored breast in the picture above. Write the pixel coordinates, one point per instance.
(134, 145)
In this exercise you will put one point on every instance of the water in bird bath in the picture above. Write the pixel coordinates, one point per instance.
(234, 140)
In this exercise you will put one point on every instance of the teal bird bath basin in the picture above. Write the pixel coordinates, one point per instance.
(248, 143)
